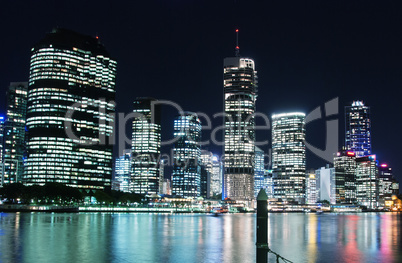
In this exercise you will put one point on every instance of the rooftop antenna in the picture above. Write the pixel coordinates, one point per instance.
(237, 52)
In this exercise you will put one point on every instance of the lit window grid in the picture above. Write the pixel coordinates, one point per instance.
(289, 156)
(145, 146)
(240, 88)
(358, 129)
(186, 176)
(64, 66)
(367, 184)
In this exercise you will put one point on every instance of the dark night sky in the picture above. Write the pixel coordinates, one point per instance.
(306, 53)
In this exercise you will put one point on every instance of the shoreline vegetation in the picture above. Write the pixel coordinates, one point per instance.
(56, 197)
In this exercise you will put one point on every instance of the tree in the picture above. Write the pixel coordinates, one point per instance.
(324, 202)
(102, 197)
(13, 192)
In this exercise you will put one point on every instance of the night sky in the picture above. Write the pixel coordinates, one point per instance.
(306, 53)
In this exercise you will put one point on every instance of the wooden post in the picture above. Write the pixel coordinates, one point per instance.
(262, 227)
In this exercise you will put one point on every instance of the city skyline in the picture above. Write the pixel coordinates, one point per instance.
(295, 72)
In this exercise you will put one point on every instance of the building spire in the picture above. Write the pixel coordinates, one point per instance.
(237, 44)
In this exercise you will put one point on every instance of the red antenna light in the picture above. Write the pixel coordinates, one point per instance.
(237, 43)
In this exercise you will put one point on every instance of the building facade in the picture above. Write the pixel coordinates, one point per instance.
(259, 171)
(387, 184)
(367, 181)
(289, 156)
(2, 119)
(70, 112)
(14, 132)
(216, 177)
(345, 177)
(311, 189)
(145, 146)
(122, 172)
(358, 129)
(240, 93)
(186, 176)
(326, 184)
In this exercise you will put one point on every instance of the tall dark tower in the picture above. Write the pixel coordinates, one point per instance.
(240, 93)
(358, 129)
(70, 112)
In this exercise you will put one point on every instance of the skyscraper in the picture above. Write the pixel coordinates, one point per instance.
(186, 176)
(240, 93)
(14, 132)
(367, 181)
(358, 129)
(122, 172)
(145, 145)
(345, 177)
(70, 112)
(289, 156)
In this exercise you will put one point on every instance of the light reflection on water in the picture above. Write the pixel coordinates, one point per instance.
(97, 237)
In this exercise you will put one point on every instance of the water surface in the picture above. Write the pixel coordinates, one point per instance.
(125, 237)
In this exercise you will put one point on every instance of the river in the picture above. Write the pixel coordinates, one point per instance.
(140, 237)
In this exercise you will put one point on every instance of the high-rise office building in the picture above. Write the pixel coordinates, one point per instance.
(345, 177)
(259, 170)
(367, 181)
(70, 112)
(186, 176)
(240, 93)
(358, 129)
(145, 145)
(122, 172)
(325, 177)
(387, 184)
(14, 132)
(289, 156)
(1, 148)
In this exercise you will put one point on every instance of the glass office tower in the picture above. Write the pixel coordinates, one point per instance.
(70, 112)
(367, 181)
(358, 129)
(186, 176)
(240, 93)
(289, 156)
(122, 172)
(146, 146)
(14, 132)
(345, 177)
